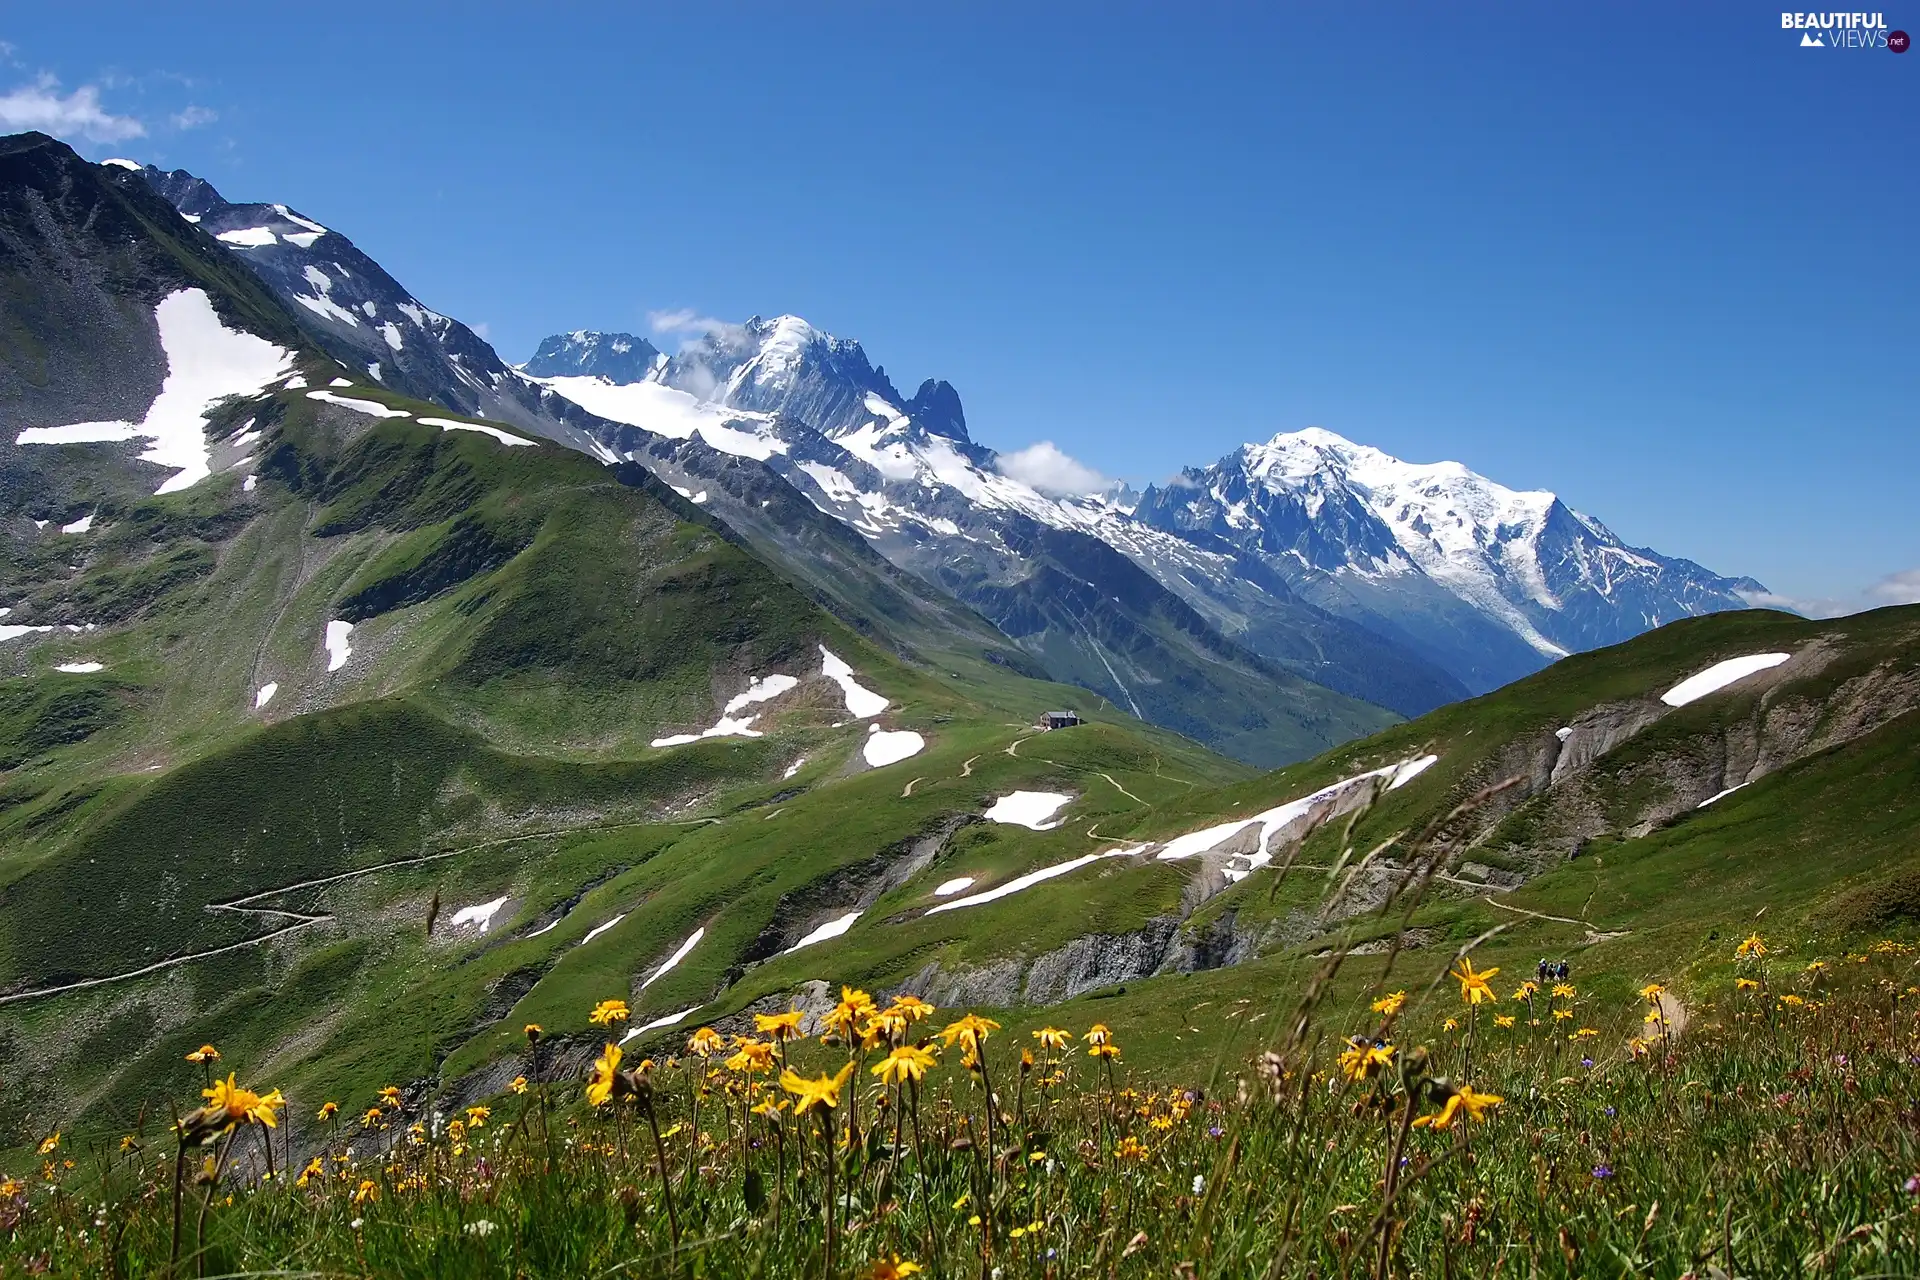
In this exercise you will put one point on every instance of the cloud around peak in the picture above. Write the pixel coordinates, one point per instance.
(684, 320)
(1045, 467)
(40, 105)
(1896, 588)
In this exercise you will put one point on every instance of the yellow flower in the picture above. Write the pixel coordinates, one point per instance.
(705, 1042)
(1390, 1003)
(313, 1170)
(477, 1117)
(1107, 1049)
(1753, 947)
(366, 1191)
(1098, 1034)
(1463, 1099)
(327, 1111)
(1053, 1038)
(371, 1118)
(968, 1032)
(1561, 1015)
(904, 1063)
(1361, 1059)
(601, 1083)
(1562, 991)
(228, 1105)
(1745, 984)
(1584, 1033)
(608, 1012)
(50, 1144)
(1654, 1015)
(205, 1053)
(1474, 984)
(1791, 1000)
(1526, 990)
(781, 1026)
(753, 1056)
(1131, 1149)
(770, 1106)
(892, 1268)
(390, 1096)
(532, 1032)
(129, 1143)
(1503, 1019)
(1816, 966)
(823, 1091)
(1652, 991)
(911, 1008)
(1451, 1024)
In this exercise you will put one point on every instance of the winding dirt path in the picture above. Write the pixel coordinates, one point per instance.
(908, 789)
(159, 965)
(301, 920)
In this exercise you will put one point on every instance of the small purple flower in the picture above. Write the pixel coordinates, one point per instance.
(1602, 1171)
(1587, 1063)
(1216, 1132)
(1913, 1185)
(1611, 1113)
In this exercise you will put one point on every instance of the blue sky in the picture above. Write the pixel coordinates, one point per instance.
(1660, 261)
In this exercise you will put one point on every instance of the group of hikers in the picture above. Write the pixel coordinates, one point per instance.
(1554, 970)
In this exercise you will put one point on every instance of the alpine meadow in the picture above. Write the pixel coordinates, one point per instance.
(684, 805)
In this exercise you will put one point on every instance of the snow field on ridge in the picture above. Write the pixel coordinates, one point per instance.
(206, 363)
(1719, 676)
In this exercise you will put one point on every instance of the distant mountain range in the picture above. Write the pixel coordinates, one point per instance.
(1259, 604)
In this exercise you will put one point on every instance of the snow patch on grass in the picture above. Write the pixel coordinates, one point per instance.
(947, 888)
(890, 747)
(831, 929)
(1032, 878)
(480, 915)
(761, 689)
(1291, 819)
(668, 1021)
(371, 408)
(599, 929)
(265, 694)
(680, 953)
(338, 649)
(449, 424)
(1029, 809)
(1721, 795)
(81, 525)
(1719, 676)
(80, 668)
(863, 703)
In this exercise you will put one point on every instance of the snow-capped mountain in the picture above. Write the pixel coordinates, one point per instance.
(1382, 541)
(1247, 605)
(619, 357)
(1403, 584)
(1104, 600)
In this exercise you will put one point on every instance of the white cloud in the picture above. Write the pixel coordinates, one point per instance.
(684, 320)
(1805, 606)
(77, 115)
(1046, 468)
(1897, 588)
(194, 117)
